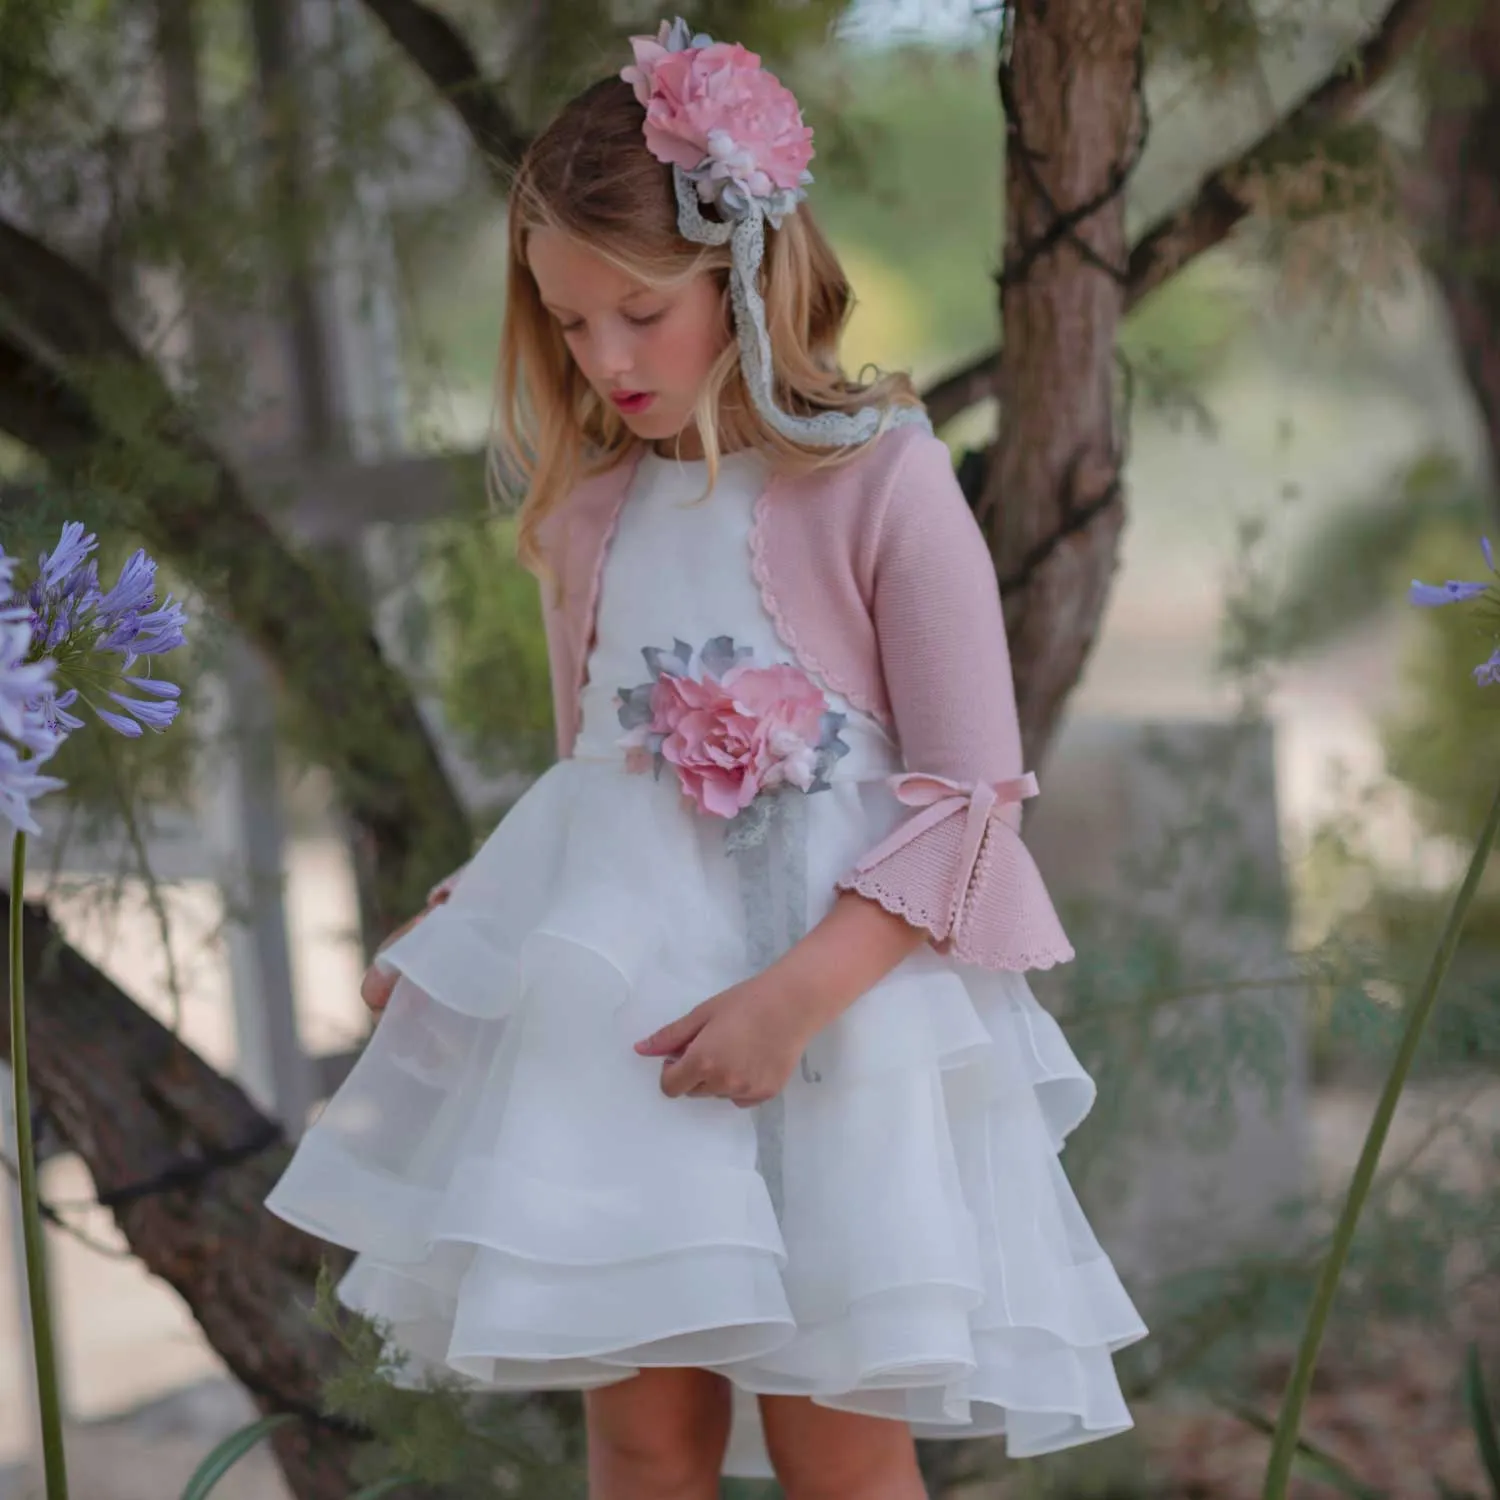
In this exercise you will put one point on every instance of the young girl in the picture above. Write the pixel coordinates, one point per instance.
(712, 1085)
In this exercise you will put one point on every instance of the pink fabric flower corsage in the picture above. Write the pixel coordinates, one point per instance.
(736, 734)
(712, 110)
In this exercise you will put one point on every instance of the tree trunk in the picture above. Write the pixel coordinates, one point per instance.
(137, 1105)
(1457, 192)
(1052, 502)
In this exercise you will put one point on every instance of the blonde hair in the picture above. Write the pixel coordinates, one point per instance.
(590, 176)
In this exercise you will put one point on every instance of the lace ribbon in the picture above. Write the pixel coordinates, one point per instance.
(746, 238)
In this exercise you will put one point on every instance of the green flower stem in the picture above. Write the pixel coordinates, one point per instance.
(1284, 1443)
(48, 1397)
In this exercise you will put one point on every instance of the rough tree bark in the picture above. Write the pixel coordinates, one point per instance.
(1052, 502)
(1456, 192)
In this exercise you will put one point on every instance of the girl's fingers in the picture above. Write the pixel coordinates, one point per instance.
(676, 1036)
(682, 1076)
(376, 987)
(380, 978)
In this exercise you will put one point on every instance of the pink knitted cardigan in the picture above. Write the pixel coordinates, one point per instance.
(879, 583)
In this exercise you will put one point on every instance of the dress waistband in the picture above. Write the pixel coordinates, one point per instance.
(869, 759)
(872, 753)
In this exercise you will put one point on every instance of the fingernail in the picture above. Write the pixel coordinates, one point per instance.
(386, 966)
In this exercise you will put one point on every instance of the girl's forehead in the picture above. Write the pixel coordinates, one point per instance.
(568, 271)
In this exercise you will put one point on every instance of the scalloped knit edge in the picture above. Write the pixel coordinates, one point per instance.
(591, 616)
(761, 572)
(865, 885)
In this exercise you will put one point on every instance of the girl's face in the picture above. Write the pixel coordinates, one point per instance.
(647, 350)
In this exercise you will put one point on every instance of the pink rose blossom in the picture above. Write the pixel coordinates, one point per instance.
(710, 742)
(757, 729)
(789, 709)
(716, 102)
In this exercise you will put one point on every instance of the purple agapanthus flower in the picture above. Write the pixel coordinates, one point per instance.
(24, 684)
(26, 741)
(60, 568)
(1458, 591)
(75, 622)
(1455, 591)
(21, 783)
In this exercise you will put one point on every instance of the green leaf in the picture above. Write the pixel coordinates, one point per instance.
(383, 1487)
(1310, 1461)
(1485, 1433)
(229, 1453)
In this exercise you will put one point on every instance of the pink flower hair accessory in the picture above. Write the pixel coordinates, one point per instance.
(734, 138)
(731, 127)
(736, 735)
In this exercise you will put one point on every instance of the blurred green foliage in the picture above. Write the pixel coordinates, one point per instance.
(489, 652)
(1446, 745)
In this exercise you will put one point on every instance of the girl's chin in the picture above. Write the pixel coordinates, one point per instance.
(652, 422)
(655, 426)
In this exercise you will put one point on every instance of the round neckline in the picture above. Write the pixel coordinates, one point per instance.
(741, 457)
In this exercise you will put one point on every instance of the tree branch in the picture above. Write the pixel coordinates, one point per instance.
(64, 360)
(1223, 199)
(444, 55)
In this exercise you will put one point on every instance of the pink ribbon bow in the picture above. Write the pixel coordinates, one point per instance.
(939, 798)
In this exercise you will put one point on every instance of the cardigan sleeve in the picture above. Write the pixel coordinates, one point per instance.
(957, 867)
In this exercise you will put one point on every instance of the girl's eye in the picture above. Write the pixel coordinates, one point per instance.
(646, 321)
(569, 329)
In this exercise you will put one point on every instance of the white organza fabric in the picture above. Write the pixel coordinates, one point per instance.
(893, 1234)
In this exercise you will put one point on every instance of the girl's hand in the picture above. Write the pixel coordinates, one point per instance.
(741, 1045)
(379, 981)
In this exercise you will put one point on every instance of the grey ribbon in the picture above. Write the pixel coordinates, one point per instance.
(746, 238)
(773, 887)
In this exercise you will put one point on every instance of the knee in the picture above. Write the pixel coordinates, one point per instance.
(668, 1449)
(668, 1462)
(876, 1463)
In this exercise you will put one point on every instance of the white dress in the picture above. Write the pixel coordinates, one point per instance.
(893, 1234)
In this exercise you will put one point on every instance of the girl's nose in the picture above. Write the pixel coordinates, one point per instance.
(612, 353)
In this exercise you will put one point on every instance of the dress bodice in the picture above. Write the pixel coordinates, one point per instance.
(679, 569)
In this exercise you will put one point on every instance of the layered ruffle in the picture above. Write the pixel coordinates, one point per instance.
(893, 1234)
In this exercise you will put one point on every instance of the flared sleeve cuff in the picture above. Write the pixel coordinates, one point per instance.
(958, 868)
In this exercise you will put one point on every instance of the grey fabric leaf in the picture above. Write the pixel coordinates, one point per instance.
(719, 654)
(674, 662)
(635, 705)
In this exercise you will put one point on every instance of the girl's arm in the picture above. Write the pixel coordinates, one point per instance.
(955, 873)
(956, 868)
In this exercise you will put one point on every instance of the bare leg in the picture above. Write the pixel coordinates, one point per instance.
(820, 1454)
(658, 1436)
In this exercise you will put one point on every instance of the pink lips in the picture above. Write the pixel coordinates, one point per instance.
(632, 401)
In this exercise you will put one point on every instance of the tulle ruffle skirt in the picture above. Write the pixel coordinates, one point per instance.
(893, 1234)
